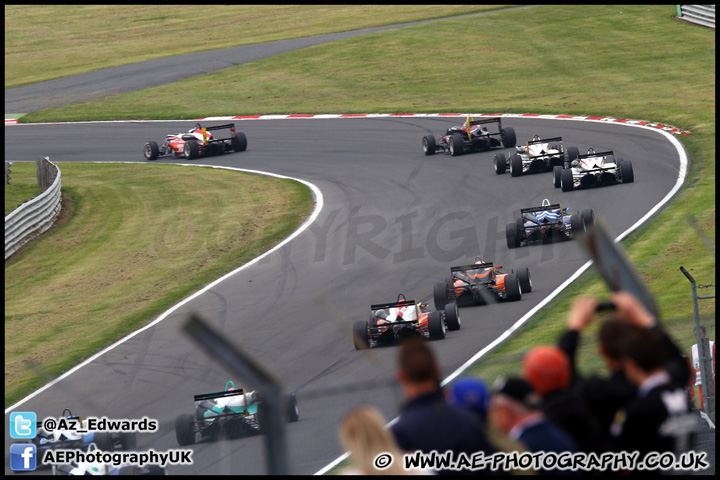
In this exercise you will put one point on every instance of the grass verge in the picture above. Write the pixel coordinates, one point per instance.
(128, 251)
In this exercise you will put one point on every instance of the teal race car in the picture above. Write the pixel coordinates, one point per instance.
(233, 413)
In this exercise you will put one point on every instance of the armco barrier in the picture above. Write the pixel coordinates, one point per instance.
(33, 217)
(698, 14)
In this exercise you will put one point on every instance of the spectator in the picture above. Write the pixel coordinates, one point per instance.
(364, 435)
(473, 394)
(696, 361)
(547, 369)
(515, 410)
(606, 395)
(427, 421)
(642, 424)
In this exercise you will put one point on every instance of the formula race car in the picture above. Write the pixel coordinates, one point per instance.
(538, 155)
(481, 283)
(594, 169)
(546, 223)
(389, 322)
(470, 137)
(70, 439)
(197, 142)
(233, 413)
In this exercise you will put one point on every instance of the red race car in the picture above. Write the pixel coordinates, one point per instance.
(197, 142)
(389, 322)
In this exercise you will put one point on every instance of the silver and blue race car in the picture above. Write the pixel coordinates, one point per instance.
(546, 223)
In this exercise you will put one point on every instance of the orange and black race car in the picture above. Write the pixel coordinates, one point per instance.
(481, 283)
(389, 322)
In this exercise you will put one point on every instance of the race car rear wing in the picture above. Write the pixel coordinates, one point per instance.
(484, 120)
(474, 266)
(540, 209)
(210, 396)
(545, 140)
(402, 303)
(231, 126)
(609, 153)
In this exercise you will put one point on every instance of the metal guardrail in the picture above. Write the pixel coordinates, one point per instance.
(699, 14)
(33, 217)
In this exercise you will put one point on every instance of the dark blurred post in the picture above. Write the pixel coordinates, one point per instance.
(272, 418)
(704, 354)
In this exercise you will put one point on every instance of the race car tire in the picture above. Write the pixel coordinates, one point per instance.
(588, 217)
(429, 145)
(103, 441)
(457, 146)
(185, 429)
(566, 179)
(128, 440)
(151, 150)
(360, 335)
(576, 223)
(500, 163)
(239, 142)
(293, 412)
(452, 317)
(626, 171)
(191, 150)
(508, 137)
(436, 326)
(516, 165)
(557, 170)
(572, 154)
(523, 275)
(512, 288)
(440, 295)
(511, 235)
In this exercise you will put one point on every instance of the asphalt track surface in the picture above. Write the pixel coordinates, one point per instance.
(393, 221)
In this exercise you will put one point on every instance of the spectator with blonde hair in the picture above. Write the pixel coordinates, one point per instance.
(364, 435)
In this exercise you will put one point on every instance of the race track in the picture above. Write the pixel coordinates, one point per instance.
(393, 221)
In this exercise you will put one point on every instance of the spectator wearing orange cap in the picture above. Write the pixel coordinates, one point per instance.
(547, 369)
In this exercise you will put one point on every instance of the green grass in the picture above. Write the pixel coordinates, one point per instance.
(129, 251)
(70, 40)
(635, 62)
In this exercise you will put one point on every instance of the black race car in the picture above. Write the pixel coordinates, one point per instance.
(197, 142)
(546, 223)
(481, 283)
(389, 322)
(234, 413)
(470, 137)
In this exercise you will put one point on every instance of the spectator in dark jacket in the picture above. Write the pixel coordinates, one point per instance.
(427, 421)
(644, 424)
(606, 395)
